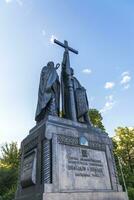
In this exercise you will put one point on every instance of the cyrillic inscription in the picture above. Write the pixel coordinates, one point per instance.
(85, 164)
(82, 168)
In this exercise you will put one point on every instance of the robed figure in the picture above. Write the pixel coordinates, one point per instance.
(81, 100)
(49, 93)
(74, 98)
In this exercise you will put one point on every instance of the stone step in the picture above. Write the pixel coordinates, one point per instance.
(86, 196)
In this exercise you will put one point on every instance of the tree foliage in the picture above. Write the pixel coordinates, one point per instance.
(8, 177)
(124, 149)
(10, 155)
(9, 162)
(96, 119)
(124, 139)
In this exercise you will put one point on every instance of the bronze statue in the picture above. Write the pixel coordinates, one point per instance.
(81, 101)
(49, 93)
(74, 97)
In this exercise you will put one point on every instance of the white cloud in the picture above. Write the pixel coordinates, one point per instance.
(8, 1)
(125, 73)
(109, 85)
(126, 86)
(52, 38)
(87, 71)
(125, 79)
(108, 104)
(18, 1)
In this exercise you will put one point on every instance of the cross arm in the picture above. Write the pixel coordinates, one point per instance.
(65, 46)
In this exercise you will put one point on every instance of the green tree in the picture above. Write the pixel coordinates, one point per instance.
(96, 118)
(10, 155)
(9, 162)
(124, 139)
(8, 179)
(124, 149)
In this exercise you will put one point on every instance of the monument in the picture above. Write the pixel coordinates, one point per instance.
(65, 157)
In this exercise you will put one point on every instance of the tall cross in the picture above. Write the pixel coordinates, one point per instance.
(65, 45)
(68, 99)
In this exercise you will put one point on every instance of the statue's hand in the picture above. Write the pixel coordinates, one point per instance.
(57, 66)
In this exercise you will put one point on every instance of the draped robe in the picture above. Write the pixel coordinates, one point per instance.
(49, 92)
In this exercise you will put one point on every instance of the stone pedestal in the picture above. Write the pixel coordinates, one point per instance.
(61, 159)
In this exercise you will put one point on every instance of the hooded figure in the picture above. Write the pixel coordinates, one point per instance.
(49, 93)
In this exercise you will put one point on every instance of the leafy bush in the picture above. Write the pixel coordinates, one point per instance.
(131, 193)
(9, 162)
(10, 194)
(8, 178)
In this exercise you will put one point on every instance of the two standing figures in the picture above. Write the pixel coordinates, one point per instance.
(74, 97)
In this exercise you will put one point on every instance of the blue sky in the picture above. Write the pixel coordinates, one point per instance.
(102, 32)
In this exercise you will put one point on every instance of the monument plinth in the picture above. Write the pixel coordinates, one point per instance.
(66, 157)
